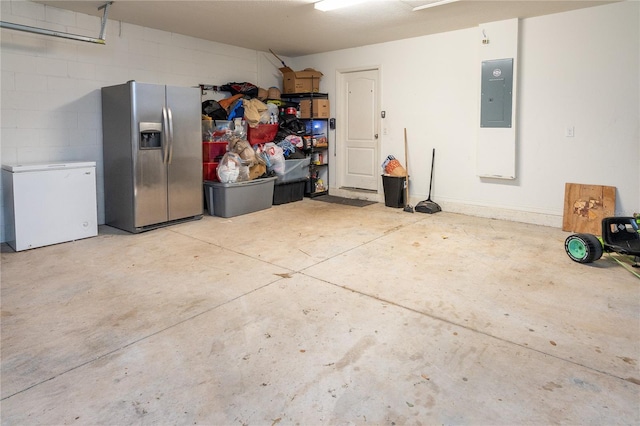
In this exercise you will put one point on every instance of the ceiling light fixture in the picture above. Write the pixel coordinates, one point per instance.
(326, 5)
(434, 4)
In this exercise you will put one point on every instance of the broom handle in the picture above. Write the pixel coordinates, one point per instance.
(433, 157)
(406, 162)
(281, 61)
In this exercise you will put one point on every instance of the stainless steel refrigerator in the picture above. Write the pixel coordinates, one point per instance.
(152, 155)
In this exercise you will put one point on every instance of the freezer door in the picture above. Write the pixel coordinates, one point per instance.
(185, 153)
(149, 149)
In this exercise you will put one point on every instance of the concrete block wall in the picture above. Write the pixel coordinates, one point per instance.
(50, 93)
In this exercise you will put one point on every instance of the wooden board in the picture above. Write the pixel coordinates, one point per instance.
(586, 205)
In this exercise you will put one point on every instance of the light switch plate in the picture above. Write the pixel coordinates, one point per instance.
(569, 132)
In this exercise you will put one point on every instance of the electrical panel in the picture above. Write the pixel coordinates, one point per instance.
(497, 93)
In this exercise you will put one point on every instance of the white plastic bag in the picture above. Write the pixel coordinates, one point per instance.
(232, 169)
(276, 158)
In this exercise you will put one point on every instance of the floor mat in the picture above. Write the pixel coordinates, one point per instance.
(345, 201)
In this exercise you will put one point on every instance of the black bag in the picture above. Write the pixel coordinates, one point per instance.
(291, 125)
(213, 109)
(248, 89)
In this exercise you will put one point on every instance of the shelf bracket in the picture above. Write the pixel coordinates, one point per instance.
(77, 37)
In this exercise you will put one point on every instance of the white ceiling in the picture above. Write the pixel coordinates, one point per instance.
(294, 28)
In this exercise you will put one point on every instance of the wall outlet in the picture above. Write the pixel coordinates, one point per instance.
(569, 132)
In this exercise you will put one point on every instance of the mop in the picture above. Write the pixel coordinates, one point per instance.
(407, 206)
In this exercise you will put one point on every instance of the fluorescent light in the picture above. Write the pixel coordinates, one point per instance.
(326, 5)
(434, 4)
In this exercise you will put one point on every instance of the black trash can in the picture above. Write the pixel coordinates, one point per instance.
(393, 190)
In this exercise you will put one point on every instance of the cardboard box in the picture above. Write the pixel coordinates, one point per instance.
(305, 81)
(320, 108)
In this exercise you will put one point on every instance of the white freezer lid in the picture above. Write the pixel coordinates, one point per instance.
(38, 167)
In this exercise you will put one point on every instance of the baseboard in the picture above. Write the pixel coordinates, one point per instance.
(513, 215)
(491, 212)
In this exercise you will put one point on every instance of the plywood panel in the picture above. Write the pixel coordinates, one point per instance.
(586, 205)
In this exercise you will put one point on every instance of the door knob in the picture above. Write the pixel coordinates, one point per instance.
(375, 136)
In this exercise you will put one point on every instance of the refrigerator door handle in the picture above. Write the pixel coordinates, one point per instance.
(170, 115)
(165, 136)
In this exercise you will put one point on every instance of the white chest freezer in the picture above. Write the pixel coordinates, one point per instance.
(49, 203)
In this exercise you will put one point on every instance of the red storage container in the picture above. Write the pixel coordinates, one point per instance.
(210, 171)
(262, 134)
(212, 151)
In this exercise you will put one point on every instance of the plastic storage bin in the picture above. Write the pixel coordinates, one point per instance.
(213, 151)
(214, 129)
(393, 190)
(235, 199)
(210, 171)
(294, 170)
(287, 192)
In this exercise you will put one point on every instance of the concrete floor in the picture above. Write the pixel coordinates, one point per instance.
(314, 313)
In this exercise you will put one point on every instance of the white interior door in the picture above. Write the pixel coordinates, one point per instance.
(359, 134)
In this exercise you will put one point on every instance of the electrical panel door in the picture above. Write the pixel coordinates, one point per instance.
(497, 93)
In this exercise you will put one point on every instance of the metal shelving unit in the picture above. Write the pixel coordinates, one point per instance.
(316, 144)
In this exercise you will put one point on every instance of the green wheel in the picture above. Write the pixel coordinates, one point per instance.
(583, 248)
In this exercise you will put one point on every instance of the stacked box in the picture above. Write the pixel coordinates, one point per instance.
(212, 148)
(304, 81)
(320, 108)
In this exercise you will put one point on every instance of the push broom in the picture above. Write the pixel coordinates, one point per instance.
(428, 206)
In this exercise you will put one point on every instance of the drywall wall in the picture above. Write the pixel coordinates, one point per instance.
(51, 87)
(496, 145)
(577, 70)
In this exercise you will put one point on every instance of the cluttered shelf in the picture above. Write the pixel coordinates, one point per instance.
(251, 133)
